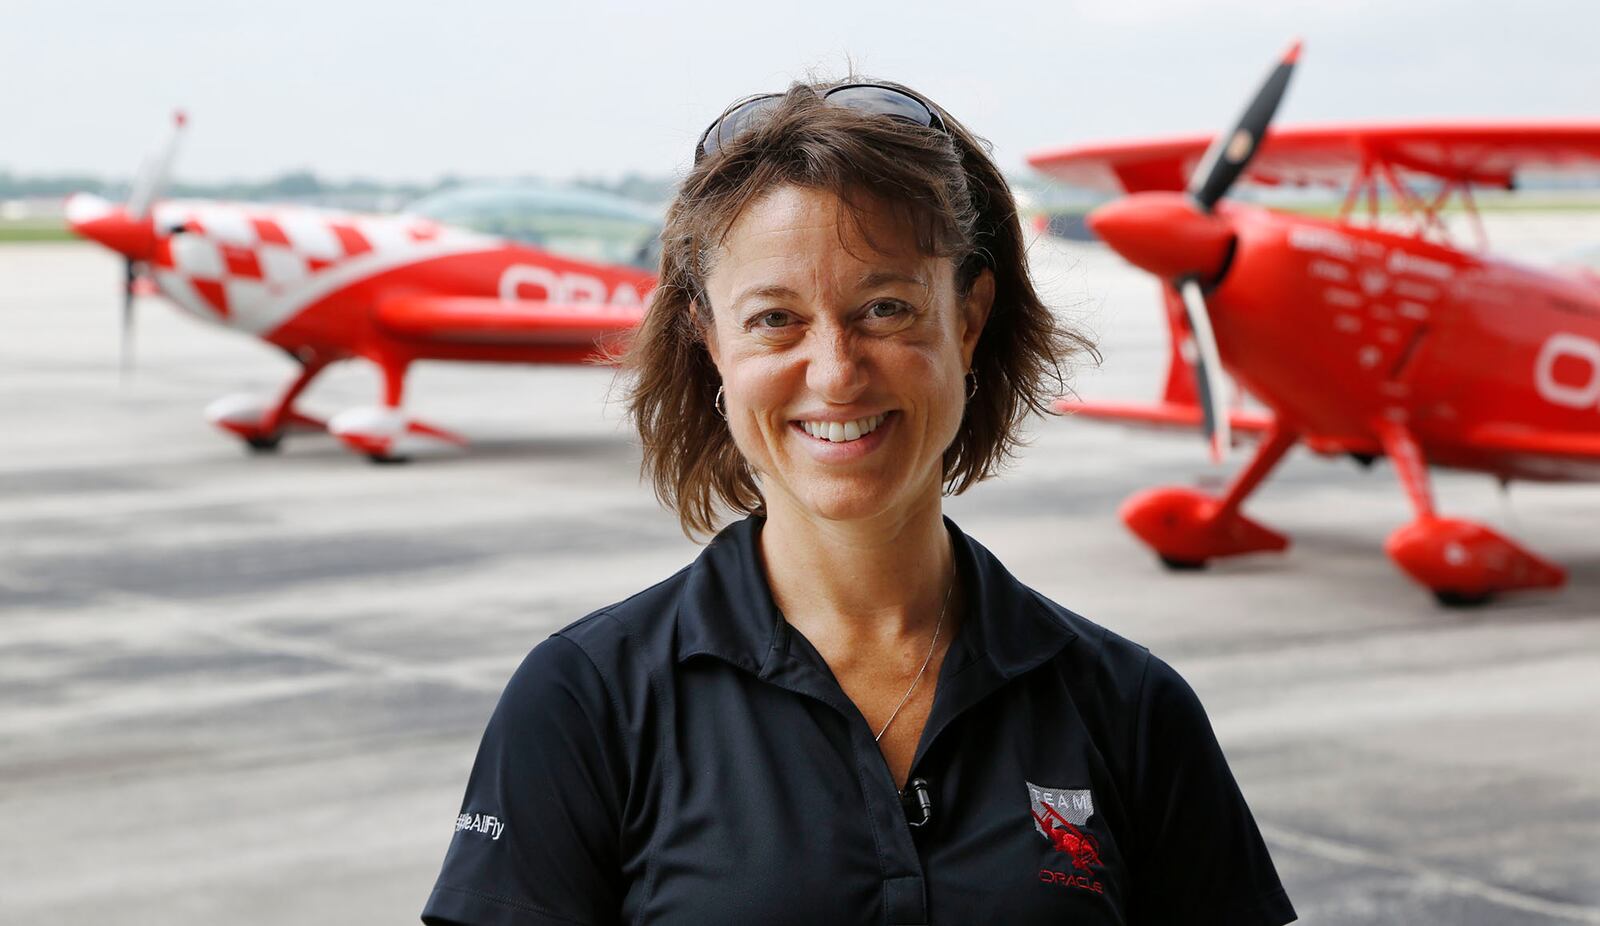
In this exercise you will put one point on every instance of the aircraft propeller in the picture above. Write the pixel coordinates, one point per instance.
(1180, 239)
(147, 186)
(1216, 173)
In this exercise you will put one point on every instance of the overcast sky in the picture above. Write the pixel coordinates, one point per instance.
(399, 90)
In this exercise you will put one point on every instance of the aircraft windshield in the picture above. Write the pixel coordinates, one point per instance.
(581, 224)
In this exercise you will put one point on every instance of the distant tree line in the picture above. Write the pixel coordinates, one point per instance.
(307, 186)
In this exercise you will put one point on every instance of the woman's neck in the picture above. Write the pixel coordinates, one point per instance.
(857, 586)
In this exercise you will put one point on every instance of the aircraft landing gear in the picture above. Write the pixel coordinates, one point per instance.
(1463, 563)
(1188, 528)
(261, 423)
(386, 435)
(1466, 564)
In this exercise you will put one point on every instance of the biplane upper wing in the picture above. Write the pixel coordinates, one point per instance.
(1480, 153)
(482, 320)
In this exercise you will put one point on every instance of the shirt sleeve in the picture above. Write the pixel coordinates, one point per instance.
(1203, 858)
(537, 839)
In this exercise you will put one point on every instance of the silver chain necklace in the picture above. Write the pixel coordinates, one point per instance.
(920, 672)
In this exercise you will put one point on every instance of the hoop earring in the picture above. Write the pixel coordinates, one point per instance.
(720, 406)
(972, 384)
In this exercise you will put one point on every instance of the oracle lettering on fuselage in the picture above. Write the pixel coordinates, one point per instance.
(1574, 350)
(531, 282)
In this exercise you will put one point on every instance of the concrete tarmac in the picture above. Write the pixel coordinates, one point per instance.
(247, 689)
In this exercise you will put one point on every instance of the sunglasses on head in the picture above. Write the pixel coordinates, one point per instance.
(875, 99)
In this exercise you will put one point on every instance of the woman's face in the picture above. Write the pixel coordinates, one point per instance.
(843, 366)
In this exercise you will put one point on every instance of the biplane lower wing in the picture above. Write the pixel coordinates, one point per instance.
(1166, 416)
(477, 320)
(1519, 439)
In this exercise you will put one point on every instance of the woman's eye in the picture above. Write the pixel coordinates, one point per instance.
(885, 309)
(774, 319)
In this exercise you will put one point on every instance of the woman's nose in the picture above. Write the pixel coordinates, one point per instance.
(835, 370)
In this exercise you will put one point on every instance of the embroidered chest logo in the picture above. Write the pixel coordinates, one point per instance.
(1061, 816)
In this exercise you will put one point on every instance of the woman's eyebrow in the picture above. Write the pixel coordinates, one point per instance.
(883, 277)
(770, 290)
(871, 280)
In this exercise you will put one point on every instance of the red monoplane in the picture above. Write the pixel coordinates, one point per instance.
(1358, 339)
(473, 275)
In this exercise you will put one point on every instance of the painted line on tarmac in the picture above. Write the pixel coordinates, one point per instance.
(350, 668)
(1348, 854)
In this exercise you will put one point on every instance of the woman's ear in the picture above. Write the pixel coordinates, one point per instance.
(975, 306)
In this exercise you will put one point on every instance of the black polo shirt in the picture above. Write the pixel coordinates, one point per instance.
(685, 756)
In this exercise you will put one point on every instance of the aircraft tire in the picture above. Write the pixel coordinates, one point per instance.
(1450, 599)
(1182, 565)
(384, 459)
(264, 444)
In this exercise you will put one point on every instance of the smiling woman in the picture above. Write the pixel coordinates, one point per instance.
(873, 180)
(845, 710)
(831, 324)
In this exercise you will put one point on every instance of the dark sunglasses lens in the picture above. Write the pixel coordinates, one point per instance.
(883, 101)
(733, 123)
(867, 98)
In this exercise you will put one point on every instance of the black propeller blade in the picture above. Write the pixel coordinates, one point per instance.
(1229, 154)
(130, 275)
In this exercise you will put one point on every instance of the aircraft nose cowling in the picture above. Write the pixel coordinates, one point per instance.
(98, 220)
(1166, 234)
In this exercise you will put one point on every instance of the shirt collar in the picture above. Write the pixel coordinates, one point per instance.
(727, 610)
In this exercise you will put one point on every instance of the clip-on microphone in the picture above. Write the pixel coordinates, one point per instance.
(918, 802)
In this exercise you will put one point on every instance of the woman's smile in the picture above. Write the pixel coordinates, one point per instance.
(852, 429)
(835, 440)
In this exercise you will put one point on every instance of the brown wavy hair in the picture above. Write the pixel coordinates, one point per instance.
(945, 187)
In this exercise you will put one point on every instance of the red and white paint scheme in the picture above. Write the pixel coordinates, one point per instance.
(327, 286)
(1358, 339)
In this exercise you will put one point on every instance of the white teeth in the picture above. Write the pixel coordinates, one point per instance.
(839, 432)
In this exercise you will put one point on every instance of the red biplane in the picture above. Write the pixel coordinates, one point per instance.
(1357, 337)
(477, 274)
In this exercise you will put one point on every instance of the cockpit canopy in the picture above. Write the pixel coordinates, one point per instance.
(582, 224)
